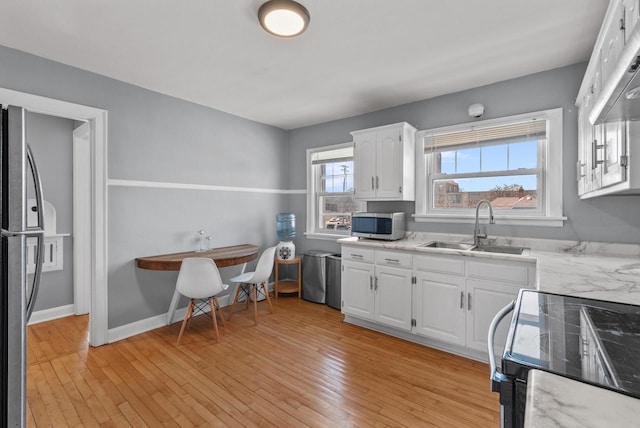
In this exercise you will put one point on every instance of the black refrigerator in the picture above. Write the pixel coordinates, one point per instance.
(19, 180)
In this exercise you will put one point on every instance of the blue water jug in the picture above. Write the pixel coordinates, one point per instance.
(285, 226)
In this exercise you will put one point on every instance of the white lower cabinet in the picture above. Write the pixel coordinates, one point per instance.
(357, 296)
(377, 292)
(448, 298)
(439, 307)
(484, 301)
(392, 290)
(456, 297)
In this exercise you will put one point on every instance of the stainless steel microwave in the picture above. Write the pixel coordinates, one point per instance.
(387, 226)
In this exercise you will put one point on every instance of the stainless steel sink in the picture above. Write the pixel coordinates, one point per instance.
(502, 249)
(447, 245)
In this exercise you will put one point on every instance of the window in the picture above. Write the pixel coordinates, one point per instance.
(330, 190)
(515, 163)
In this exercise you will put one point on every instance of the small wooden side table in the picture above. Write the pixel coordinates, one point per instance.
(288, 285)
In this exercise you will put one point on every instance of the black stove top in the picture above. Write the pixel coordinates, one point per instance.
(589, 340)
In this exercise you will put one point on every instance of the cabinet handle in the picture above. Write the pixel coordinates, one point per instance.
(622, 27)
(377, 183)
(372, 183)
(370, 282)
(356, 255)
(468, 301)
(462, 300)
(594, 153)
(375, 288)
(579, 166)
(392, 260)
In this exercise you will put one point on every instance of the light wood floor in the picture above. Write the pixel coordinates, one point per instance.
(301, 366)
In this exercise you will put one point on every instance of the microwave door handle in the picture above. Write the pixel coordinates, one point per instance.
(37, 232)
(496, 376)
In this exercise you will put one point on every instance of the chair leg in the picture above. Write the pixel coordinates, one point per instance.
(215, 319)
(187, 315)
(217, 305)
(255, 303)
(233, 304)
(266, 293)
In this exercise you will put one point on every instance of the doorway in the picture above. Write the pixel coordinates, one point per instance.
(91, 203)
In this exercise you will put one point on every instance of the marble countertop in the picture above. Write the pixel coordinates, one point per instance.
(587, 269)
(549, 405)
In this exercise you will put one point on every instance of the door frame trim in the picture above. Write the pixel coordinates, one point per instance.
(97, 118)
(81, 219)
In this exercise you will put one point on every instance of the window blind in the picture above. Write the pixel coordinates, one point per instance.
(330, 156)
(536, 128)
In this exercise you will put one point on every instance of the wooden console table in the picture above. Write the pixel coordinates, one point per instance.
(223, 257)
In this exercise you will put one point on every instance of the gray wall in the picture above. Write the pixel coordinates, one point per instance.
(605, 219)
(159, 138)
(155, 137)
(51, 140)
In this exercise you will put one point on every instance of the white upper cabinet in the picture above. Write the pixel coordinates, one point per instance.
(384, 164)
(631, 15)
(613, 40)
(605, 164)
(614, 161)
(364, 155)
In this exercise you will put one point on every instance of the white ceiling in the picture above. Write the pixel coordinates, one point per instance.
(357, 55)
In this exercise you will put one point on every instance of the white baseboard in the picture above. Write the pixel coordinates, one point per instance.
(148, 324)
(51, 314)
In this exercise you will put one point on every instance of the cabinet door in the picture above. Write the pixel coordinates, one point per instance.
(630, 16)
(583, 137)
(393, 297)
(389, 164)
(364, 163)
(357, 289)
(483, 301)
(613, 42)
(614, 139)
(440, 306)
(593, 137)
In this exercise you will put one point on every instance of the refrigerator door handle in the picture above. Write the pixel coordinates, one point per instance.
(496, 376)
(37, 232)
(30, 233)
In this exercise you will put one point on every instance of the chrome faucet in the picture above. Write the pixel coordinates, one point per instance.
(476, 232)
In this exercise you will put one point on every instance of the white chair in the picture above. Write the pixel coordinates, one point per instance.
(199, 279)
(252, 283)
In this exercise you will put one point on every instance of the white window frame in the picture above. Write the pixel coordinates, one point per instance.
(313, 229)
(550, 180)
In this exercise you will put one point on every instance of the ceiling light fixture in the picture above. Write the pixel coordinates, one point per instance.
(283, 18)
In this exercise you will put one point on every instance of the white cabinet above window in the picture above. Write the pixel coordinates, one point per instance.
(384, 163)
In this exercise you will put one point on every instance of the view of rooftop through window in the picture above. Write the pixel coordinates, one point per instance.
(504, 173)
